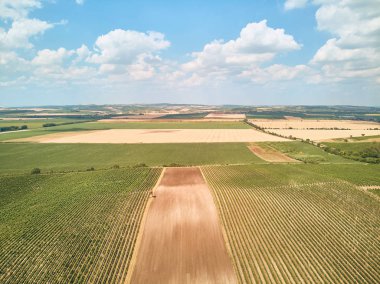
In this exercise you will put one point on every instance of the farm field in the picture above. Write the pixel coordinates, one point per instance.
(365, 139)
(314, 124)
(182, 239)
(133, 136)
(23, 157)
(77, 127)
(73, 227)
(294, 224)
(305, 152)
(34, 123)
(270, 154)
(323, 135)
(226, 115)
(361, 151)
(185, 124)
(87, 126)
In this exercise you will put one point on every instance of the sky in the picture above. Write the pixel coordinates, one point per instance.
(246, 52)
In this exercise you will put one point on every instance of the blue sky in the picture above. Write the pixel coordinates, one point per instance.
(211, 52)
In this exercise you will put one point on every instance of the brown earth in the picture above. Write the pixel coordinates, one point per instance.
(271, 155)
(182, 241)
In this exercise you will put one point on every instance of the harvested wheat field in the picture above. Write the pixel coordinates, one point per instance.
(133, 136)
(314, 124)
(182, 239)
(270, 154)
(323, 135)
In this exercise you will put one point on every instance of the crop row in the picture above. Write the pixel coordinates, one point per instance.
(297, 232)
(72, 228)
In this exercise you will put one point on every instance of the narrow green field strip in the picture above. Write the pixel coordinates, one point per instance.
(71, 228)
(4, 136)
(35, 123)
(23, 157)
(286, 229)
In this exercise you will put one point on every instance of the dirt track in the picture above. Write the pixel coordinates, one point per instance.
(182, 241)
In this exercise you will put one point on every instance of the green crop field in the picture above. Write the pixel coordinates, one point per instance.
(71, 228)
(22, 157)
(4, 136)
(361, 151)
(35, 123)
(306, 152)
(359, 138)
(294, 224)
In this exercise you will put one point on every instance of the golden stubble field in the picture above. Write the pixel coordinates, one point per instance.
(318, 130)
(133, 136)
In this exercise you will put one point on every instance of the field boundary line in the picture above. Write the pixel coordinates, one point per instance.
(220, 219)
(141, 230)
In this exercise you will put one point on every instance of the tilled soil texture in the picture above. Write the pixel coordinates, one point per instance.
(271, 155)
(182, 240)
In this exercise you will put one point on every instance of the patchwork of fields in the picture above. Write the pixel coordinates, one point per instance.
(314, 124)
(262, 209)
(135, 136)
(318, 130)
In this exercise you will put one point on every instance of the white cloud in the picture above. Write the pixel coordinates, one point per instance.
(19, 34)
(79, 2)
(294, 4)
(354, 50)
(125, 46)
(52, 57)
(256, 44)
(276, 72)
(16, 9)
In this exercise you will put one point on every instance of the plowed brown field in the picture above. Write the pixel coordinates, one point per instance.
(182, 241)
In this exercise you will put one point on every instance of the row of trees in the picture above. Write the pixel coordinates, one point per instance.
(13, 128)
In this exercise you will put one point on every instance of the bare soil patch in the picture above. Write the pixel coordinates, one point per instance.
(270, 155)
(182, 241)
(133, 136)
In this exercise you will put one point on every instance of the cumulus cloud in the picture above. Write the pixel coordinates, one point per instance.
(257, 43)
(19, 34)
(16, 9)
(354, 49)
(52, 57)
(294, 4)
(276, 72)
(125, 46)
(22, 28)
